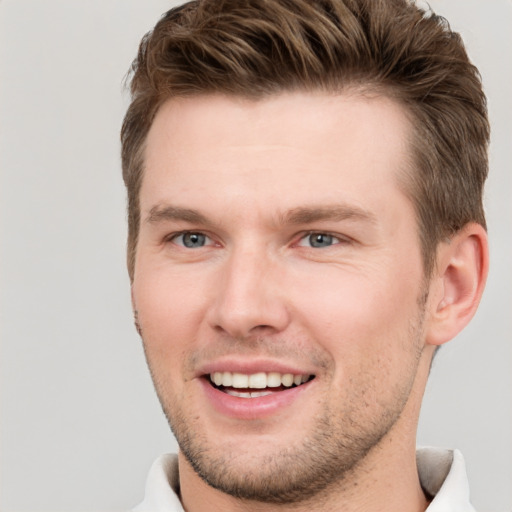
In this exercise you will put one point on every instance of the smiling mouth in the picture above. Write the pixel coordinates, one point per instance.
(256, 384)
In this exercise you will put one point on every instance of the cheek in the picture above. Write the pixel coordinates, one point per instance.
(354, 313)
(169, 308)
(369, 329)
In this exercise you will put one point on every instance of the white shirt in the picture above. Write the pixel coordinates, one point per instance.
(442, 474)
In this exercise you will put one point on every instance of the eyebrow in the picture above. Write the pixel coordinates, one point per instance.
(162, 213)
(299, 215)
(338, 212)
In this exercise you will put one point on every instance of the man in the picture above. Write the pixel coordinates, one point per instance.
(305, 230)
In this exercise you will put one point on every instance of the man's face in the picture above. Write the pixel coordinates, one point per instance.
(276, 247)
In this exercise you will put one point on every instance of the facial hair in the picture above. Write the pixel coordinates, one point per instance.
(339, 440)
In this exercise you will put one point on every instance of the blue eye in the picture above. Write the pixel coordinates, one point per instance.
(318, 240)
(191, 240)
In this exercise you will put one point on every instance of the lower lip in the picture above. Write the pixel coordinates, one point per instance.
(252, 408)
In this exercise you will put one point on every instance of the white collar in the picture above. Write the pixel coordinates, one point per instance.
(442, 474)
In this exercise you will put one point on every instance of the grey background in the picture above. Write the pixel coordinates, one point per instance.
(80, 424)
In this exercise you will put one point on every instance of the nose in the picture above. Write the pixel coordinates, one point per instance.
(250, 300)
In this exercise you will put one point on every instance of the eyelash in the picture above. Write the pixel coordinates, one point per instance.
(338, 239)
(174, 236)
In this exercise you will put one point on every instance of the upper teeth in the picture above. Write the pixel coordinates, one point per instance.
(259, 380)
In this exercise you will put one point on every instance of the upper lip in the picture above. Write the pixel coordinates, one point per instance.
(250, 366)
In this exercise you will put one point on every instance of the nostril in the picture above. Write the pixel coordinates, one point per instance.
(240, 333)
(259, 328)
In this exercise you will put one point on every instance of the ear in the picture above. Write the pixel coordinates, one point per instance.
(458, 283)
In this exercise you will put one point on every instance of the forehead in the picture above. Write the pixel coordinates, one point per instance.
(286, 149)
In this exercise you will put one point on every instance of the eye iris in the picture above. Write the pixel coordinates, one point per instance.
(320, 240)
(193, 240)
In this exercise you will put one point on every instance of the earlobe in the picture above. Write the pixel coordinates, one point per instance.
(458, 283)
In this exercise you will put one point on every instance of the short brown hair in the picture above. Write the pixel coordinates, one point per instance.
(257, 48)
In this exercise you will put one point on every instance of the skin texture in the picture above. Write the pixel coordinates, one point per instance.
(257, 179)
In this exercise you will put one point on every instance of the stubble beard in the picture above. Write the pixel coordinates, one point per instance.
(328, 457)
